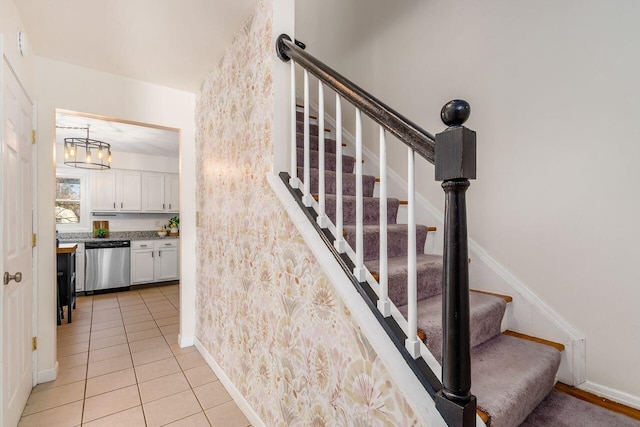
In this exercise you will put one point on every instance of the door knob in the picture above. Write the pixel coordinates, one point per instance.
(9, 277)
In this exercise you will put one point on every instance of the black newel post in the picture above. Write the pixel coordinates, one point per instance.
(455, 160)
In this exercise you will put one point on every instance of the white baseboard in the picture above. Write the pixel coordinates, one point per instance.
(48, 374)
(237, 397)
(611, 394)
(186, 341)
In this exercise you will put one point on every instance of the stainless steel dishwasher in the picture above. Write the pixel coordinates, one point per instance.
(108, 265)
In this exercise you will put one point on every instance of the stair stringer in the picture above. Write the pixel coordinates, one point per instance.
(404, 378)
(527, 313)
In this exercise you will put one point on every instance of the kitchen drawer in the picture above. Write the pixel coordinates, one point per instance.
(173, 243)
(141, 244)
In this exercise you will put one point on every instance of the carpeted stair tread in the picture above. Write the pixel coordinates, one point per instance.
(561, 410)
(329, 160)
(486, 316)
(348, 182)
(329, 144)
(429, 276)
(371, 209)
(396, 239)
(511, 376)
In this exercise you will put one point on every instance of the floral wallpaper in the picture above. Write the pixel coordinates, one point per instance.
(265, 310)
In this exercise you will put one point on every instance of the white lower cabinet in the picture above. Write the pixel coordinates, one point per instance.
(154, 261)
(165, 266)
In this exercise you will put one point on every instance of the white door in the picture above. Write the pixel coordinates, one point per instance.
(16, 250)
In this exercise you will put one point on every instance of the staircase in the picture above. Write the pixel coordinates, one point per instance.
(510, 375)
(422, 302)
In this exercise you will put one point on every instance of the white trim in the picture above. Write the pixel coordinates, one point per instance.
(611, 394)
(186, 341)
(48, 374)
(408, 384)
(237, 397)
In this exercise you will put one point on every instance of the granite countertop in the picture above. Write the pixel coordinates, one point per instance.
(114, 235)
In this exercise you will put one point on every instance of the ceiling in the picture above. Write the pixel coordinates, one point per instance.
(167, 42)
(124, 137)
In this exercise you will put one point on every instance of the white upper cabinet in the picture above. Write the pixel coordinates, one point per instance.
(103, 192)
(160, 192)
(116, 191)
(135, 191)
(172, 192)
(153, 192)
(129, 190)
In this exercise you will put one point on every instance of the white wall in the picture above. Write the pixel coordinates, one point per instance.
(10, 24)
(133, 161)
(555, 100)
(70, 87)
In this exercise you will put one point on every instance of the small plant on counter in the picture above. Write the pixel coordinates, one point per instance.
(100, 232)
(174, 222)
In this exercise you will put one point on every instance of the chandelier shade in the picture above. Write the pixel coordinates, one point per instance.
(86, 153)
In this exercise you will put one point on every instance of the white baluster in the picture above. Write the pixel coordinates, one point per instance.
(359, 271)
(322, 219)
(339, 243)
(412, 343)
(293, 180)
(383, 303)
(306, 196)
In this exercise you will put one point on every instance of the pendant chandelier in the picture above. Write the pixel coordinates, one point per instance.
(86, 153)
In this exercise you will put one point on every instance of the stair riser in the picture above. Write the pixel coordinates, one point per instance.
(329, 161)
(371, 210)
(313, 128)
(348, 183)
(329, 144)
(396, 241)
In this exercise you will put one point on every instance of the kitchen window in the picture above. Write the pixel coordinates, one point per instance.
(72, 200)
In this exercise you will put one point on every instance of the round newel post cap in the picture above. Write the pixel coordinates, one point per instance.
(455, 113)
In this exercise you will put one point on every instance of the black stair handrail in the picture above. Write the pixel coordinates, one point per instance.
(453, 152)
(421, 141)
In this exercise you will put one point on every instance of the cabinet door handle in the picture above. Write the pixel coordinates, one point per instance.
(169, 205)
(159, 253)
(163, 206)
(152, 254)
(143, 246)
(121, 205)
(167, 244)
(114, 205)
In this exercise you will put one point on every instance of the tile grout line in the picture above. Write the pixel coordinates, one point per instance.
(135, 375)
(86, 376)
(91, 312)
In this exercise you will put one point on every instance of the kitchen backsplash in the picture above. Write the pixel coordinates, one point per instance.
(135, 222)
(113, 235)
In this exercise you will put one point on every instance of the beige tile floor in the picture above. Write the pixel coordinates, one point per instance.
(120, 365)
